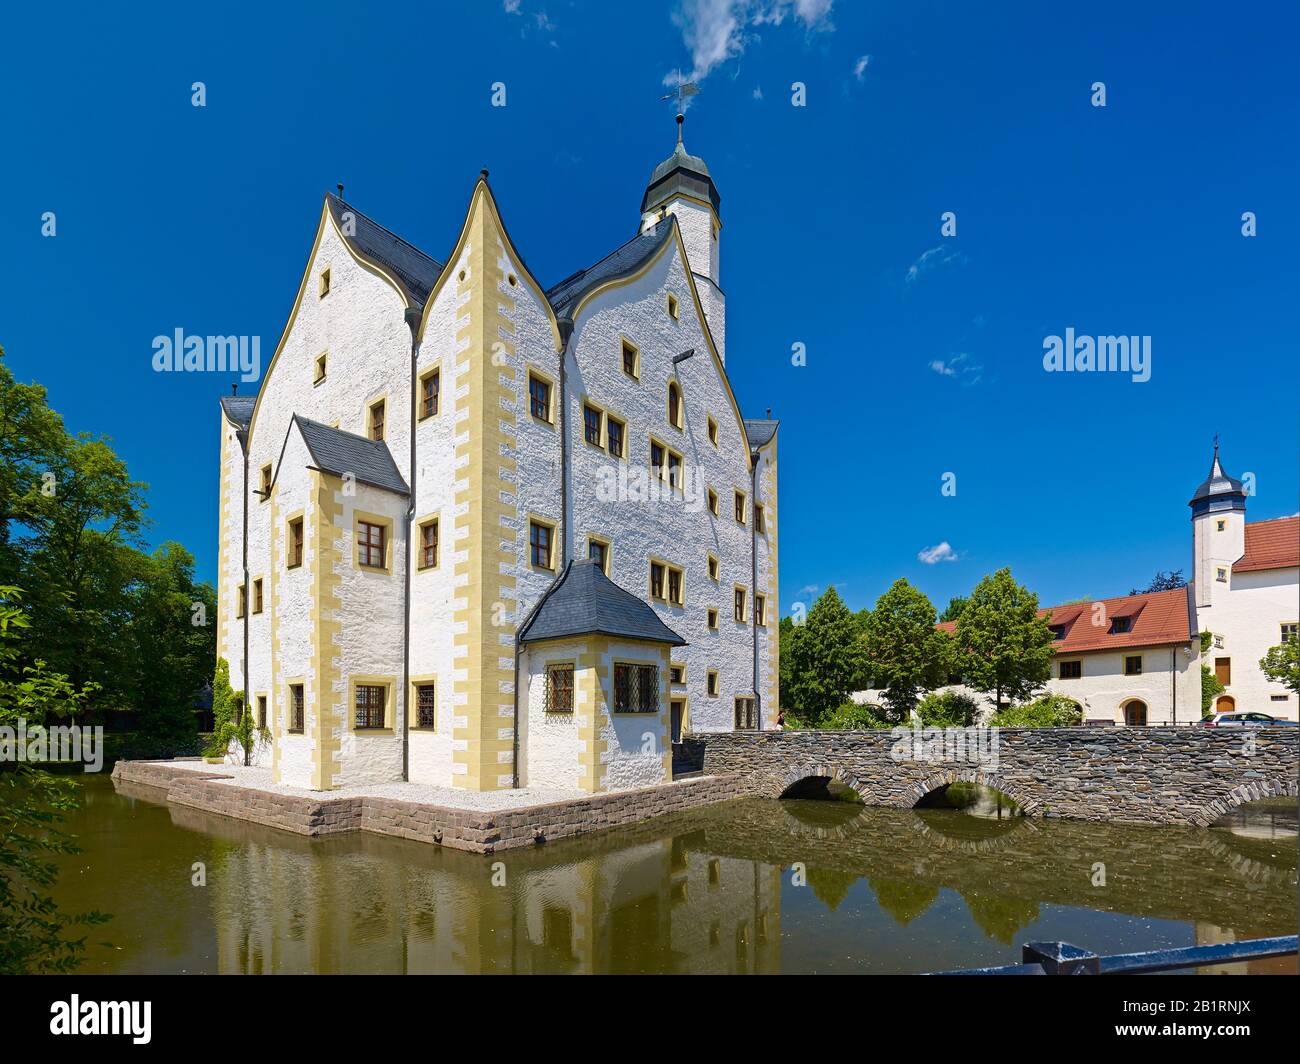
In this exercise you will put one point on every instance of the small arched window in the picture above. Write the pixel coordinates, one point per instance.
(674, 405)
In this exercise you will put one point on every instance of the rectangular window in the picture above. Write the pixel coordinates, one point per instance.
(657, 459)
(1058, 631)
(296, 711)
(1290, 630)
(430, 388)
(740, 506)
(1221, 575)
(320, 368)
(261, 712)
(760, 525)
(1121, 625)
(740, 604)
(672, 306)
(675, 469)
(746, 718)
(636, 688)
(614, 436)
(713, 620)
(264, 489)
(598, 551)
(1133, 665)
(713, 502)
(539, 398)
(370, 545)
(711, 684)
(676, 582)
(257, 595)
(369, 708)
(1071, 670)
(631, 360)
(677, 674)
(324, 283)
(241, 601)
(429, 544)
(377, 420)
(656, 580)
(426, 704)
(591, 425)
(539, 544)
(295, 543)
(760, 609)
(1223, 671)
(713, 431)
(559, 689)
(713, 569)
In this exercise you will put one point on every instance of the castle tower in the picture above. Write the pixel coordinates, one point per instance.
(1218, 532)
(682, 185)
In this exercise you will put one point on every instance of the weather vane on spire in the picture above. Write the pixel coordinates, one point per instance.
(683, 92)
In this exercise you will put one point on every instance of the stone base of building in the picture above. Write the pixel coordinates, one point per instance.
(479, 831)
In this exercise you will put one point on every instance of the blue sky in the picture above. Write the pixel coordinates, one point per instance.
(924, 352)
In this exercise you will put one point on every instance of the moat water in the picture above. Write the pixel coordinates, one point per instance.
(744, 886)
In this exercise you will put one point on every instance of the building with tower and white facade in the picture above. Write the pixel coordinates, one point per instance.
(482, 533)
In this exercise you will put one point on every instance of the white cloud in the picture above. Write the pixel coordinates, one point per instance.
(860, 67)
(943, 552)
(715, 31)
(512, 6)
(960, 366)
(931, 259)
(758, 92)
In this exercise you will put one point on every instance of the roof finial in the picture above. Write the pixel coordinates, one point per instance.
(1216, 443)
(681, 120)
(234, 387)
(340, 188)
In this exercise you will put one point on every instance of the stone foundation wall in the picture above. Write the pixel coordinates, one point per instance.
(1128, 775)
(463, 829)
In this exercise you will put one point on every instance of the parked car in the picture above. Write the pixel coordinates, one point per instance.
(1246, 719)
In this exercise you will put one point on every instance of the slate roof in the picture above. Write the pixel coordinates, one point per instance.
(1217, 483)
(760, 431)
(681, 172)
(239, 408)
(584, 601)
(416, 271)
(1271, 545)
(343, 453)
(618, 263)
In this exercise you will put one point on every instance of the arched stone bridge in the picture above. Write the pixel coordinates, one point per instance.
(1128, 775)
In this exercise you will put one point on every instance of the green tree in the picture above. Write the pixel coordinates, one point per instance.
(953, 610)
(947, 709)
(907, 653)
(1162, 581)
(1004, 646)
(827, 660)
(34, 933)
(1282, 663)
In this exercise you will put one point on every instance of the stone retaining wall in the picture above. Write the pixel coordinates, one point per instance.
(1128, 775)
(464, 829)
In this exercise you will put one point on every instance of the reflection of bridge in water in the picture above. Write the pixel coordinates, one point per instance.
(702, 891)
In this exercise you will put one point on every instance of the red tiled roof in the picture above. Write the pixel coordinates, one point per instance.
(1155, 619)
(1271, 545)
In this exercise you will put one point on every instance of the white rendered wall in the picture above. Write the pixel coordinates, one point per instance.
(550, 743)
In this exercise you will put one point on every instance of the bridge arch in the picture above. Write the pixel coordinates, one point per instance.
(833, 773)
(1239, 796)
(937, 780)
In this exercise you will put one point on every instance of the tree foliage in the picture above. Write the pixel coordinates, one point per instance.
(907, 653)
(1282, 663)
(826, 660)
(1003, 646)
(1162, 581)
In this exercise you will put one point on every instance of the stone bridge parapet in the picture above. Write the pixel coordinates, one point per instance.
(1127, 775)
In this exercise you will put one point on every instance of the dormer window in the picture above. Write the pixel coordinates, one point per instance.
(1121, 625)
(1058, 631)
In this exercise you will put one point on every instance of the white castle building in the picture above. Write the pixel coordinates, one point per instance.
(476, 532)
(1136, 659)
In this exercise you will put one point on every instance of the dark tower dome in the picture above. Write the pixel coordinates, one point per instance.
(1218, 491)
(680, 174)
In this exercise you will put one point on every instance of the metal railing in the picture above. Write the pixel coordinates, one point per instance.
(1062, 958)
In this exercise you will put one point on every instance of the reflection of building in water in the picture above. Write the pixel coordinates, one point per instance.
(1212, 935)
(382, 905)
